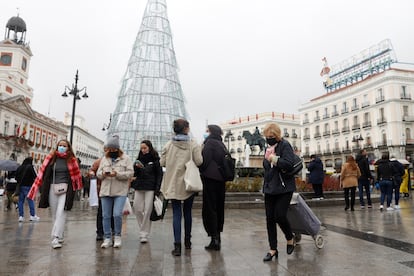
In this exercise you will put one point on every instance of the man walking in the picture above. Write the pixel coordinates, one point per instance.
(316, 175)
(364, 180)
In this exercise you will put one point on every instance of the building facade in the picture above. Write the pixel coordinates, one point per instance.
(368, 105)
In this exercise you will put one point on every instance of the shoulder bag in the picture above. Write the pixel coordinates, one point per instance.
(192, 177)
(58, 188)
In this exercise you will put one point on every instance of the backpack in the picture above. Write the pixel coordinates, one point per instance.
(228, 169)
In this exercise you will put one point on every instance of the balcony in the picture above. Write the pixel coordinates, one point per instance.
(366, 124)
(365, 104)
(335, 113)
(382, 145)
(317, 135)
(346, 150)
(405, 96)
(336, 150)
(325, 116)
(345, 129)
(327, 152)
(381, 121)
(407, 118)
(335, 132)
(344, 111)
(306, 137)
(355, 107)
(379, 99)
(317, 118)
(306, 121)
(356, 126)
(294, 135)
(326, 133)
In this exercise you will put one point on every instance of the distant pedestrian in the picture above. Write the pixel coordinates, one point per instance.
(60, 166)
(10, 189)
(115, 170)
(316, 176)
(364, 181)
(147, 183)
(175, 154)
(214, 186)
(349, 180)
(386, 180)
(405, 181)
(25, 176)
(398, 172)
(86, 186)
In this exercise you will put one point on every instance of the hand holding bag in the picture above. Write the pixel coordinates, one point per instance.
(93, 193)
(158, 205)
(192, 177)
(127, 207)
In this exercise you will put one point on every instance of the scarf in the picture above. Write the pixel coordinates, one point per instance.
(74, 172)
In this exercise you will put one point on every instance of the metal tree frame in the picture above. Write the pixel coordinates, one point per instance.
(150, 98)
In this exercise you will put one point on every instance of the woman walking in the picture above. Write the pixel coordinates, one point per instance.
(59, 167)
(174, 156)
(115, 170)
(147, 182)
(25, 176)
(349, 180)
(278, 188)
(214, 186)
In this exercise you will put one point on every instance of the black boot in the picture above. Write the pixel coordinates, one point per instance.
(214, 244)
(177, 249)
(187, 242)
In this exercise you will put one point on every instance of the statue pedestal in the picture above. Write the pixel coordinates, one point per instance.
(256, 161)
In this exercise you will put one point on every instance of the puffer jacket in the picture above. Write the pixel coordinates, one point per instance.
(119, 184)
(275, 181)
(349, 176)
(173, 157)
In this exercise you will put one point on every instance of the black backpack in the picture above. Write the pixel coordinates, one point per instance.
(228, 169)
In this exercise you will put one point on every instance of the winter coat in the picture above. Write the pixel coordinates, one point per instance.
(119, 184)
(213, 154)
(275, 181)
(173, 157)
(349, 175)
(384, 170)
(25, 175)
(363, 165)
(316, 173)
(398, 171)
(148, 178)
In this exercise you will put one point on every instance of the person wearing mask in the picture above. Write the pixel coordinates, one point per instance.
(214, 185)
(278, 188)
(316, 176)
(386, 180)
(349, 180)
(147, 182)
(25, 176)
(364, 181)
(175, 154)
(114, 171)
(60, 166)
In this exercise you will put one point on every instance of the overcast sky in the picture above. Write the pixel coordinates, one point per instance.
(236, 57)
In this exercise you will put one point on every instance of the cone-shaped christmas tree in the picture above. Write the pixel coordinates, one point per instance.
(150, 98)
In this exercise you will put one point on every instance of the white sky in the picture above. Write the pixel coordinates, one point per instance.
(236, 57)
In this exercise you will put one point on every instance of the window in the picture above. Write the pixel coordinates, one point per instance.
(16, 129)
(405, 110)
(326, 128)
(380, 96)
(6, 128)
(24, 64)
(6, 59)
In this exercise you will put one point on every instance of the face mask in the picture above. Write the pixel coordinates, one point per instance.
(205, 135)
(271, 141)
(62, 149)
(113, 154)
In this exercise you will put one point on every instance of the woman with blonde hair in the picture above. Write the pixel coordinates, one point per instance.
(349, 180)
(278, 188)
(60, 166)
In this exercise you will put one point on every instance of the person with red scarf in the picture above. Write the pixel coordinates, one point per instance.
(60, 166)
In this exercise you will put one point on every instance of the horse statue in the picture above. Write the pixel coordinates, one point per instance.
(255, 139)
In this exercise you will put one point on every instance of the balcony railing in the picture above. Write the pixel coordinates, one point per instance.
(306, 137)
(408, 118)
(325, 116)
(381, 121)
(365, 104)
(336, 150)
(379, 99)
(344, 111)
(317, 135)
(317, 118)
(345, 129)
(356, 126)
(355, 107)
(405, 96)
(326, 133)
(366, 124)
(306, 121)
(335, 132)
(335, 113)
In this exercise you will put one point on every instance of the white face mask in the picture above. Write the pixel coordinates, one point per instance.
(62, 149)
(205, 135)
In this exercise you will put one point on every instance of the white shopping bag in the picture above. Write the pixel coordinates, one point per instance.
(93, 193)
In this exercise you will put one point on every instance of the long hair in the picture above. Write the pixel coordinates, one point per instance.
(351, 161)
(152, 151)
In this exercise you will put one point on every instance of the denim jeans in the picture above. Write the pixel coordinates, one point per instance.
(396, 188)
(364, 184)
(178, 209)
(24, 190)
(386, 190)
(118, 203)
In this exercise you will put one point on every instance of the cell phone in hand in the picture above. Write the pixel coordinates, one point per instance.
(139, 163)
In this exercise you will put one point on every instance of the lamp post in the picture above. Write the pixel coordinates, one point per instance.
(107, 125)
(227, 137)
(357, 139)
(74, 91)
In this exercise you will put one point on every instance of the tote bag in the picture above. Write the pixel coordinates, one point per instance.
(93, 193)
(192, 177)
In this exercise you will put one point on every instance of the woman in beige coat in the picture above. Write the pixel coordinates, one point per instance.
(174, 156)
(349, 180)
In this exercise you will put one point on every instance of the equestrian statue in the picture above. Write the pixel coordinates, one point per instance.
(255, 139)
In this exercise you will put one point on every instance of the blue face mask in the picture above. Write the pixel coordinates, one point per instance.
(205, 135)
(62, 149)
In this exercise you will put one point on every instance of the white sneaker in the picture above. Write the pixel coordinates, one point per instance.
(21, 219)
(106, 243)
(56, 244)
(144, 239)
(381, 207)
(34, 218)
(397, 207)
(390, 208)
(118, 242)
(61, 240)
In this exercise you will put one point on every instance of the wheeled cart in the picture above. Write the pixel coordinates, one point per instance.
(303, 221)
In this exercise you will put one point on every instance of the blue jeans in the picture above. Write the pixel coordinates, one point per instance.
(118, 203)
(386, 190)
(396, 188)
(178, 209)
(24, 190)
(364, 184)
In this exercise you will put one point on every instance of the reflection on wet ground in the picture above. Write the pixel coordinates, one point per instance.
(364, 242)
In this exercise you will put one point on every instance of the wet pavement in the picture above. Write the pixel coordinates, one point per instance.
(363, 242)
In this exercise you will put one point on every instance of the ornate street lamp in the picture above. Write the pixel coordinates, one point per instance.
(74, 91)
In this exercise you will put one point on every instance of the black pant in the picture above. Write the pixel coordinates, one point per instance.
(213, 206)
(317, 188)
(276, 212)
(99, 224)
(346, 194)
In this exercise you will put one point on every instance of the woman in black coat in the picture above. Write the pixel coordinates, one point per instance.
(214, 186)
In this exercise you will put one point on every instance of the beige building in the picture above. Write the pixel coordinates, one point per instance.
(368, 104)
(237, 133)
